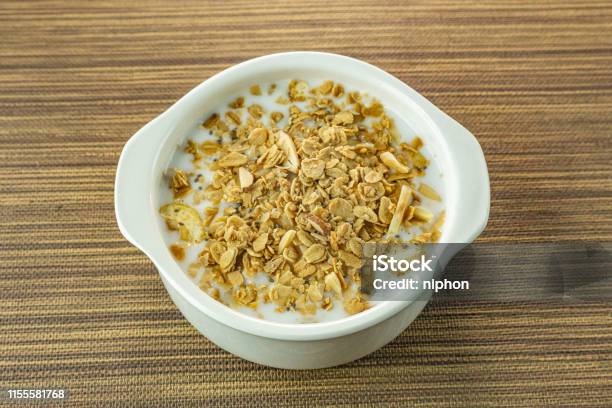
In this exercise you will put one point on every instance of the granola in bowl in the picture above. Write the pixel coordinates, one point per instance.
(271, 202)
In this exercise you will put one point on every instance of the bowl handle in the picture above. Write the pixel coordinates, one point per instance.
(473, 187)
(133, 184)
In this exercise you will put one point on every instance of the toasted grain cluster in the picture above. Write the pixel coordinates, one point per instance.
(303, 199)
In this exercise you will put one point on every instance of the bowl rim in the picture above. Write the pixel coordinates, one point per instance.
(156, 131)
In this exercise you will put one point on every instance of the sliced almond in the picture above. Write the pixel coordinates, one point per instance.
(333, 283)
(286, 240)
(428, 191)
(228, 258)
(304, 238)
(246, 177)
(391, 161)
(404, 200)
(286, 144)
(232, 159)
(421, 214)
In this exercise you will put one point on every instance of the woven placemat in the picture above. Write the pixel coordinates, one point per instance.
(83, 310)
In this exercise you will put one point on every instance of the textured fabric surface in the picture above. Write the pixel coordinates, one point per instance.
(82, 309)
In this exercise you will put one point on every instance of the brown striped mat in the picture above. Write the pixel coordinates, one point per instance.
(83, 310)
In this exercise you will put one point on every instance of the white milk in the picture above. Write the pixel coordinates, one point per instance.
(198, 134)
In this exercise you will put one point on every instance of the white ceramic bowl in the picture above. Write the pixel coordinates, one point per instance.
(314, 345)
